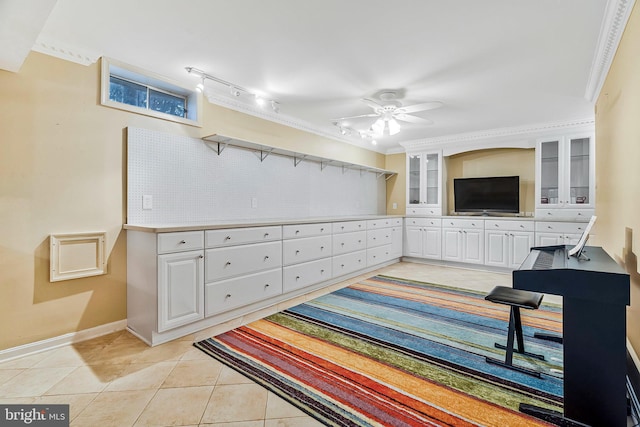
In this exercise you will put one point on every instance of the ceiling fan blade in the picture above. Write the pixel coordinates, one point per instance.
(354, 117)
(373, 104)
(420, 107)
(413, 119)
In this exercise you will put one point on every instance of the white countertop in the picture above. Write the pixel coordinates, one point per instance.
(214, 225)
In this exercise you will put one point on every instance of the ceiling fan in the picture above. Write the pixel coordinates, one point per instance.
(388, 111)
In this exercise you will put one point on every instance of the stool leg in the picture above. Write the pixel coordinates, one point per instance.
(515, 312)
(512, 329)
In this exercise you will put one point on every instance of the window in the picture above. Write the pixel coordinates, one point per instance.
(127, 88)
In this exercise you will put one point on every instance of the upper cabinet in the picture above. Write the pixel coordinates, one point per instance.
(565, 177)
(424, 183)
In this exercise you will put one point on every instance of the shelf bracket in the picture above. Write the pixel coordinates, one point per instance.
(345, 168)
(388, 176)
(219, 148)
(262, 154)
(324, 164)
(297, 160)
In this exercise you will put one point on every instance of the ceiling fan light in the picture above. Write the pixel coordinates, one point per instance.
(394, 127)
(378, 126)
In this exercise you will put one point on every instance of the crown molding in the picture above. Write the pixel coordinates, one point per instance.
(59, 50)
(517, 137)
(615, 20)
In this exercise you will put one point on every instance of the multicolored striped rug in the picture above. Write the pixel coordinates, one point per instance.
(395, 352)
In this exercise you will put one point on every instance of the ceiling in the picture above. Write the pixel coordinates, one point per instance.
(492, 63)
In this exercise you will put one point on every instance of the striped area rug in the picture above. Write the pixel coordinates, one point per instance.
(394, 352)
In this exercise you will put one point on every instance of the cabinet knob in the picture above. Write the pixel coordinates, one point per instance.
(341, 265)
(201, 256)
(322, 248)
(266, 286)
(297, 231)
(297, 252)
(227, 238)
(342, 244)
(297, 277)
(182, 242)
(227, 296)
(266, 257)
(227, 263)
(266, 234)
(342, 228)
(322, 271)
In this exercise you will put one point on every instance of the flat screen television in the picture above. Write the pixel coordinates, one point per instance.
(499, 194)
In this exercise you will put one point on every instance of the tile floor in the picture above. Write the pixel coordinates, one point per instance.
(117, 380)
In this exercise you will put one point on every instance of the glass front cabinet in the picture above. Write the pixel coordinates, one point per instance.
(424, 183)
(565, 182)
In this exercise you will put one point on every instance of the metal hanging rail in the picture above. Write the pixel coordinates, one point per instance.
(219, 143)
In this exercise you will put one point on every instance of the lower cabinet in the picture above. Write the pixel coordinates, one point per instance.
(233, 293)
(463, 240)
(180, 289)
(507, 243)
(549, 233)
(423, 238)
(306, 274)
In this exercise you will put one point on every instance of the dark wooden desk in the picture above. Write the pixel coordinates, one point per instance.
(595, 295)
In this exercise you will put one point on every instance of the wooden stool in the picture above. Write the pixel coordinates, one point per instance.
(516, 299)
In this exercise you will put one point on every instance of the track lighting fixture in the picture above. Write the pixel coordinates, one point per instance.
(235, 90)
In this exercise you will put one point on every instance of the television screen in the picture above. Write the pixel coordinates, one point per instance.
(490, 194)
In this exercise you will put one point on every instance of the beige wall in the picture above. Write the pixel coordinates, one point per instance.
(397, 184)
(495, 162)
(62, 163)
(618, 164)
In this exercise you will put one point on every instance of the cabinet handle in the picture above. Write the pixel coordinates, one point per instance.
(322, 248)
(548, 213)
(227, 296)
(464, 231)
(266, 286)
(359, 241)
(266, 234)
(297, 277)
(322, 229)
(201, 256)
(322, 271)
(297, 231)
(228, 263)
(341, 265)
(227, 238)
(182, 242)
(266, 257)
(297, 252)
(342, 228)
(342, 244)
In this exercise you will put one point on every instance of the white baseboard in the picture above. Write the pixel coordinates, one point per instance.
(62, 340)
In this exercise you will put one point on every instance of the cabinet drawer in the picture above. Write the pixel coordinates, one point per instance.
(422, 211)
(423, 222)
(379, 254)
(180, 241)
(348, 226)
(349, 242)
(222, 263)
(306, 274)
(306, 249)
(374, 224)
(506, 225)
(241, 236)
(560, 227)
(565, 214)
(379, 237)
(463, 223)
(306, 230)
(348, 263)
(231, 293)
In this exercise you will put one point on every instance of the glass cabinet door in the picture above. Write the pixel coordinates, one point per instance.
(579, 173)
(415, 164)
(549, 172)
(432, 184)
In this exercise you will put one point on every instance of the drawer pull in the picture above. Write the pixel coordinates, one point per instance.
(227, 296)
(342, 244)
(182, 242)
(342, 228)
(266, 234)
(266, 286)
(341, 265)
(297, 277)
(297, 231)
(227, 238)
(322, 229)
(227, 263)
(322, 271)
(201, 256)
(266, 257)
(322, 248)
(360, 241)
(297, 252)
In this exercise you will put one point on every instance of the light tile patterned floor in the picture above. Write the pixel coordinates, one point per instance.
(117, 380)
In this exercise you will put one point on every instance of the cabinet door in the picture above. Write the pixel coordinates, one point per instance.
(432, 243)
(579, 174)
(497, 248)
(520, 246)
(414, 179)
(413, 241)
(473, 246)
(452, 244)
(549, 173)
(180, 289)
(432, 179)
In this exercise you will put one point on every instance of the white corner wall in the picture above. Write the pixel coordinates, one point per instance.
(190, 183)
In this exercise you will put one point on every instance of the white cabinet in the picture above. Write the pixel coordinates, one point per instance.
(507, 243)
(550, 233)
(425, 171)
(463, 240)
(565, 177)
(180, 289)
(306, 253)
(384, 240)
(423, 238)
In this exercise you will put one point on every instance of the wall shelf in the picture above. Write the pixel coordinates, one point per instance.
(219, 143)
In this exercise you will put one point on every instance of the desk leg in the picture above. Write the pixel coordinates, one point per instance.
(594, 362)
